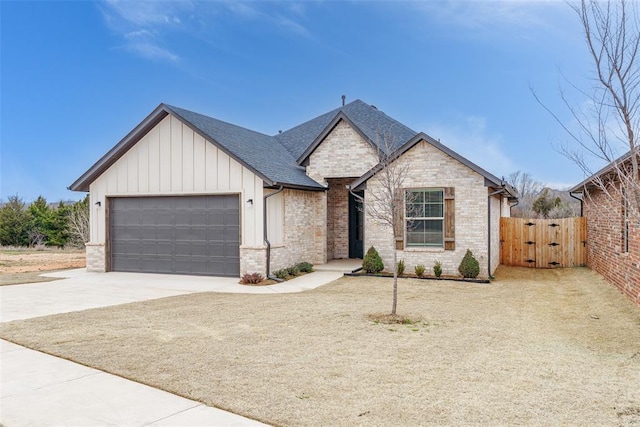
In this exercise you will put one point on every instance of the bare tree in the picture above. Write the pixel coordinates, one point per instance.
(385, 199)
(78, 223)
(608, 125)
(528, 189)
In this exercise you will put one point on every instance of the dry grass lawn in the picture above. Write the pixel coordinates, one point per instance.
(535, 347)
(24, 265)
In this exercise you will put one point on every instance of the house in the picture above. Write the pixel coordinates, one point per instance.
(190, 194)
(613, 232)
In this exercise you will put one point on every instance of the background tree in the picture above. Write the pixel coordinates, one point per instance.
(14, 223)
(545, 203)
(528, 189)
(608, 125)
(78, 223)
(385, 199)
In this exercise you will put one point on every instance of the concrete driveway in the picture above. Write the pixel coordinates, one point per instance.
(37, 389)
(80, 290)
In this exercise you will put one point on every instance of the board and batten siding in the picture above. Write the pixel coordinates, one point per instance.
(171, 159)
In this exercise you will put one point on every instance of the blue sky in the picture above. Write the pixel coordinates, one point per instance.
(78, 76)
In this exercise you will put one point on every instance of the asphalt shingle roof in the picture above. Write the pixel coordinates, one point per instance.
(260, 152)
(372, 122)
(273, 158)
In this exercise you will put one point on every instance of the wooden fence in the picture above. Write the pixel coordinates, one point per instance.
(543, 243)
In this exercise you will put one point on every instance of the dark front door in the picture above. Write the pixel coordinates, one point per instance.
(356, 226)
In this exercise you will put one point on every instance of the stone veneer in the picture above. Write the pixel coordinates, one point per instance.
(304, 229)
(96, 257)
(431, 168)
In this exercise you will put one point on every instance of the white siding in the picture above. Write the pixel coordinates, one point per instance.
(172, 160)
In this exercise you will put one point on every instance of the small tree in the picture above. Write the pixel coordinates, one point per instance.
(385, 196)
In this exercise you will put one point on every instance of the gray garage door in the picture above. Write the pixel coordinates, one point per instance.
(181, 235)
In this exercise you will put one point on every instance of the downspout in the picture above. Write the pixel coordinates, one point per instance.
(489, 229)
(580, 200)
(513, 205)
(354, 194)
(264, 226)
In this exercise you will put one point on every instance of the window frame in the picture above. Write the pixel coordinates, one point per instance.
(407, 218)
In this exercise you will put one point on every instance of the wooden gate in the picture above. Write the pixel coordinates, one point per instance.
(543, 243)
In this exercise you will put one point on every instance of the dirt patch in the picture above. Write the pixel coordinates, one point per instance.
(535, 347)
(25, 265)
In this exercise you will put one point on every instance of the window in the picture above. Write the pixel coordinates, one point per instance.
(625, 222)
(424, 218)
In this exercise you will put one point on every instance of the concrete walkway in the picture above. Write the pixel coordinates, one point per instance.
(37, 389)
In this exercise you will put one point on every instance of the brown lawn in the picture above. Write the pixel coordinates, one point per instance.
(24, 265)
(535, 347)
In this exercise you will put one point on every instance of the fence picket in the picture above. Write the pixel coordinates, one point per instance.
(556, 242)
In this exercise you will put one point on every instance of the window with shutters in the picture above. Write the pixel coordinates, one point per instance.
(424, 217)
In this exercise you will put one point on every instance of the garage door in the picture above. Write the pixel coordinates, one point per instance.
(181, 235)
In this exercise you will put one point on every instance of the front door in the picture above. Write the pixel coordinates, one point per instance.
(356, 226)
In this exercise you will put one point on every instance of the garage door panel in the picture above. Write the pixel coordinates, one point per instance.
(182, 235)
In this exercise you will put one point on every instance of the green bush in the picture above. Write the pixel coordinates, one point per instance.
(305, 267)
(372, 263)
(281, 274)
(293, 270)
(437, 269)
(419, 269)
(469, 267)
(400, 267)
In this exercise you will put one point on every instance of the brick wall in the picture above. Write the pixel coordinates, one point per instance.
(605, 251)
(304, 226)
(431, 168)
(343, 153)
(338, 218)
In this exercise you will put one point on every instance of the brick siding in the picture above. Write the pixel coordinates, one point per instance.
(338, 218)
(431, 168)
(605, 251)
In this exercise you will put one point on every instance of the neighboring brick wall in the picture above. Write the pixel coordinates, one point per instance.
(338, 218)
(304, 224)
(96, 261)
(605, 252)
(343, 153)
(431, 168)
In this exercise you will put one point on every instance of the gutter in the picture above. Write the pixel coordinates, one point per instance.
(264, 226)
(580, 200)
(502, 190)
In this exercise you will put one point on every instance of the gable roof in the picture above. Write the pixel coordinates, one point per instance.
(608, 168)
(490, 179)
(277, 159)
(367, 120)
(260, 153)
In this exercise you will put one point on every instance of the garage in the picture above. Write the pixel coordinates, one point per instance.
(197, 235)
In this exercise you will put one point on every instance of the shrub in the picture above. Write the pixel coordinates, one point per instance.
(281, 274)
(293, 270)
(305, 267)
(400, 267)
(469, 267)
(251, 278)
(419, 269)
(437, 269)
(372, 263)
